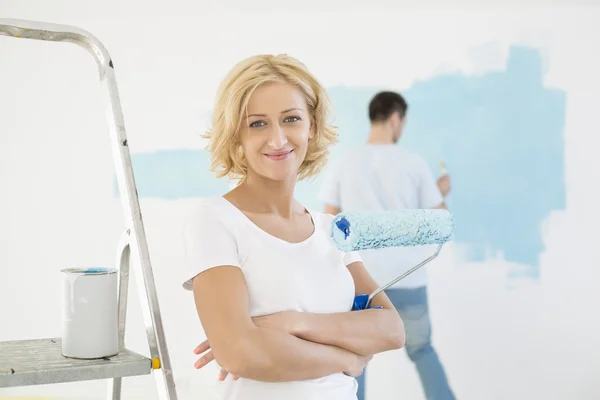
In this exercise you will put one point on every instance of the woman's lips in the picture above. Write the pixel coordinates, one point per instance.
(280, 155)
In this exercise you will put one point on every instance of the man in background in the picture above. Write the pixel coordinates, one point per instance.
(380, 175)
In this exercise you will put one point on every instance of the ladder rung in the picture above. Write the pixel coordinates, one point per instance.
(40, 361)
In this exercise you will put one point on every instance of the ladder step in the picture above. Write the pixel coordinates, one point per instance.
(40, 361)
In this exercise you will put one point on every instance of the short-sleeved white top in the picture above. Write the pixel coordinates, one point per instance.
(309, 276)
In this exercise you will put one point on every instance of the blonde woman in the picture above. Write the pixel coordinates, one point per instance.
(273, 293)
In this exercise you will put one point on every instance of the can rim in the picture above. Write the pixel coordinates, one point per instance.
(90, 271)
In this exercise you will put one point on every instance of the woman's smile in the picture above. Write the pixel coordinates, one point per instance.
(279, 155)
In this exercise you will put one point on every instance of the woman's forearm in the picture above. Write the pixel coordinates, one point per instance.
(275, 356)
(364, 332)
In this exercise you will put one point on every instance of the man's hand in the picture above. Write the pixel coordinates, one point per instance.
(207, 358)
(443, 183)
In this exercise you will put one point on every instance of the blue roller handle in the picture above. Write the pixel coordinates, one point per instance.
(360, 302)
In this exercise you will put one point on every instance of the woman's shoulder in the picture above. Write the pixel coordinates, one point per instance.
(209, 211)
(208, 205)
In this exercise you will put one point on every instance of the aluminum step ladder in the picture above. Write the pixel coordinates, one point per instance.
(40, 361)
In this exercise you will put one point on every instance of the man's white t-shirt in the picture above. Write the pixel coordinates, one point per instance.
(384, 177)
(309, 276)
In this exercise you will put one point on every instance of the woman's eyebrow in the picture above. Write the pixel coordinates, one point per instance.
(283, 112)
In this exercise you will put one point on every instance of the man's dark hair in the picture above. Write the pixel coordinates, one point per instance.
(384, 104)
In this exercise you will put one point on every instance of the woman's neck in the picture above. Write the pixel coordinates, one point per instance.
(269, 196)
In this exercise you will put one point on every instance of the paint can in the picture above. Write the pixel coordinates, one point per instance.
(90, 313)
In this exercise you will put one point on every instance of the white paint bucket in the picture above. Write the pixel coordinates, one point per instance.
(90, 313)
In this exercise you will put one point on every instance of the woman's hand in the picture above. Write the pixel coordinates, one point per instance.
(223, 374)
(207, 358)
(358, 368)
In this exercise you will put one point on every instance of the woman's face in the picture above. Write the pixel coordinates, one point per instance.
(276, 132)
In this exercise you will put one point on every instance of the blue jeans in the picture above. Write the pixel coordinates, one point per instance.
(413, 307)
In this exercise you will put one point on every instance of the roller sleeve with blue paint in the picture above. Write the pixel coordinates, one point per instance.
(381, 229)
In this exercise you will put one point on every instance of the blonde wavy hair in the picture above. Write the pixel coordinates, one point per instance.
(227, 158)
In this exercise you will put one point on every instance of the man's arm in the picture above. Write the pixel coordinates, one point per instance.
(252, 352)
(363, 332)
(442, 206)
(430, 190)
(443, 184)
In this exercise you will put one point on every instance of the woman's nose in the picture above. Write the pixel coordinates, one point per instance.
(277, 138)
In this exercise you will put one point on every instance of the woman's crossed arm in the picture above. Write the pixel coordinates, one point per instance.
(364, 332)
(246, 350)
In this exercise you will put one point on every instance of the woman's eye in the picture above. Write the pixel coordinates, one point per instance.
(257, 124)
(292, 119)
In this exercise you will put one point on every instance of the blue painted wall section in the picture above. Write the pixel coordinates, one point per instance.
(175, 174)
(500, 134)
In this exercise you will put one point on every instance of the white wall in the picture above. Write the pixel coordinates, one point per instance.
(497, 339)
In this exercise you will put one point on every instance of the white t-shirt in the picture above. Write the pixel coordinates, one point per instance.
(384, 177)
(309, 276)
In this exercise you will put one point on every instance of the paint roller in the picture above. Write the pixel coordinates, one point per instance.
(381, 229)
